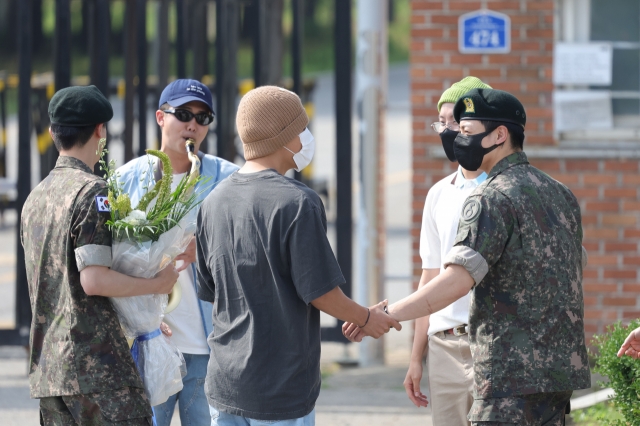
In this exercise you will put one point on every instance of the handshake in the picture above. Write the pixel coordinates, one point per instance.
(378, 323)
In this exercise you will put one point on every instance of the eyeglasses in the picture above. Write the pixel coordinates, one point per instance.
(184, 115)
(439, 127)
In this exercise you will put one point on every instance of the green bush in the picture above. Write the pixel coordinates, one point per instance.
(623, 373)
(596, 415)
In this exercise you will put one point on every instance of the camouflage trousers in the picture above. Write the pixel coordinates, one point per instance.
(538, 409)
(123, 407)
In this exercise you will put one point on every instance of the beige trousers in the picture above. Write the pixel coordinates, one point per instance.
(450, 371)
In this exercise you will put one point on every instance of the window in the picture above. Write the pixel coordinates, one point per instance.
(616, 22)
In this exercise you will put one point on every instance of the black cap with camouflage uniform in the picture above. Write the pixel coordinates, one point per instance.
(79, 364)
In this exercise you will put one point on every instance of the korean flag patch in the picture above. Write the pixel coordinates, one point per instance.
(102, 203)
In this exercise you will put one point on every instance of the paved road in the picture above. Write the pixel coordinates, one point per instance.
(16, 408)
(368, 396)
(7, 269)
(350, 397)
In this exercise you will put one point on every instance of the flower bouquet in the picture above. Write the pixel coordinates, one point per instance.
(145, 240)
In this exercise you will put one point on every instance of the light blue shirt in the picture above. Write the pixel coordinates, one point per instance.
(462, 182)
(216, 169)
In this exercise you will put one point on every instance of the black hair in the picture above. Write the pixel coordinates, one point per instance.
(516, 131)
(66, 137)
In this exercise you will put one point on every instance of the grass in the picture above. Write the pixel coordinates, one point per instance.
(599, 414)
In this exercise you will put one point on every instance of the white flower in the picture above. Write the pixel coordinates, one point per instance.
(135, 218)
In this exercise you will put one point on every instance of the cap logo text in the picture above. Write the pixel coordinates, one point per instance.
(197, 89)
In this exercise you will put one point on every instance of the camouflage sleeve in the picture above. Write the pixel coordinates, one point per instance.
(91, 237)
(486, 225)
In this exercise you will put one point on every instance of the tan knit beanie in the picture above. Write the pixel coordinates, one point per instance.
(268, 118)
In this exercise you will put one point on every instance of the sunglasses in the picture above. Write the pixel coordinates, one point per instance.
(184, 115)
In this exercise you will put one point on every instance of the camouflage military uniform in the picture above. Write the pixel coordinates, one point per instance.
(120, 407)
(520, 238)
(546, 409)
(79, 355)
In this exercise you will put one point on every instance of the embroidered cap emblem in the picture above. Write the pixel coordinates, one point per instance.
(469, 103)
(102, 204)
(471, 210)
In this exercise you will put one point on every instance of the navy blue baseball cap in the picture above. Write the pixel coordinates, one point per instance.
(182, 91)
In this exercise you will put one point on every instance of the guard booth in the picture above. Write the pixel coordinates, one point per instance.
(140, 91)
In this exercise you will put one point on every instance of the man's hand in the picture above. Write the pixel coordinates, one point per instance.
(352, 332)
(379, 323)
(189, 255)
(165, 279)
(631, 345)
(166, 330)
(412, 384)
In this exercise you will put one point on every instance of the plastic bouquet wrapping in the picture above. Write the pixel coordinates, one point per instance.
(145, 240)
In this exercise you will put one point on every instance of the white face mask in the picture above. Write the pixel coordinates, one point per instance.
(304, 157)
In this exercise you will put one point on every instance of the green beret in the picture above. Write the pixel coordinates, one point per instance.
(79, 106)
(490, 105)
(458, 89)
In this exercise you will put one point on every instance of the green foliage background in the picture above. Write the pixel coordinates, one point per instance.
(600, 414)
(317, 55)
(623, 374)
(317, 44)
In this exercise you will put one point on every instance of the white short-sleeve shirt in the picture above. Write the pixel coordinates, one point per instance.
(186, 321)
(439, 227)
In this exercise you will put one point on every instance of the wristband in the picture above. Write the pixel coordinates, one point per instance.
(367, 321)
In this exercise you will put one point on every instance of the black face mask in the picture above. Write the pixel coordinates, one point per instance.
(447, 137)
(469, 150)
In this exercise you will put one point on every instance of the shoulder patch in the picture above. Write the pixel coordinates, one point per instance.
(471, 210)
(102, 204)
(469, 104)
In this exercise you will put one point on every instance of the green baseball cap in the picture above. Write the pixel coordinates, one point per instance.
(458, 89)
(79, 106)
(491, 105)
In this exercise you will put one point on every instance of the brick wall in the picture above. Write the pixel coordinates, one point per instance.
(608, 194)
(606, 189)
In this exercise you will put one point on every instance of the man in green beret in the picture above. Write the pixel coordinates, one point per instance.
(80, 366)
(443, 335)
(519, 248)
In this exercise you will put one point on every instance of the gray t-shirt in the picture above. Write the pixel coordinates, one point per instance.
(263, 256)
